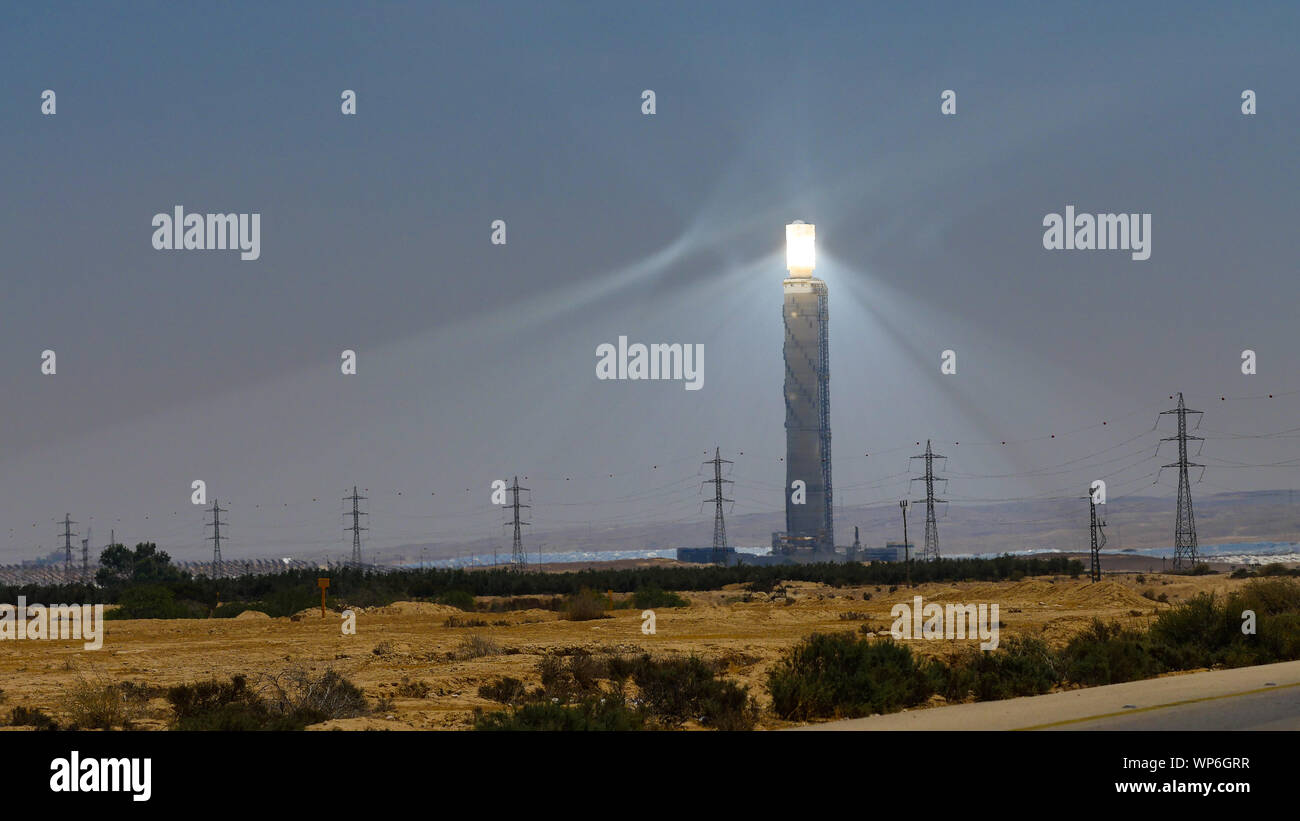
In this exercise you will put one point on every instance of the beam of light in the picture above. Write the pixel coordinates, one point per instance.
(876, 304)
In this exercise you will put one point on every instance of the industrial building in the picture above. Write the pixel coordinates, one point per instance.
(891, 552)
(728, 556)
(809, 527)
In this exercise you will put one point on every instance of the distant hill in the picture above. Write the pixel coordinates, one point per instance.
(1135, 522)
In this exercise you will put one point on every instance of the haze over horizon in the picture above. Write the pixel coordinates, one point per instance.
(476, 361)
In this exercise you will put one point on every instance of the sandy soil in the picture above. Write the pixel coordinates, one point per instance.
(411, 640)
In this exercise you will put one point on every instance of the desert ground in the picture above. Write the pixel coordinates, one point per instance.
(412, 641)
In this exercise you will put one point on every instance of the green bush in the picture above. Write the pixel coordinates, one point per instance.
(1206, 631)
(1109, 654)
(591, 715)
(669, 693)
(954, 682)
(228, 610)
(1020, 667)
(673, 691)
(32, 717)
(506, 690)
(652, 597)
(1279, 570)
(572, 679)
(586, 605)
(293, 699)
(151, 601)
(458, 598)
(839, 674)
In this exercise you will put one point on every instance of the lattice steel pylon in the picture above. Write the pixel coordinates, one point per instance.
(518, 559)
(1098, 540)
(216, 538)
(719, 525)
(67, 547)
(356, 513)
(1185, 555)
(931, 525)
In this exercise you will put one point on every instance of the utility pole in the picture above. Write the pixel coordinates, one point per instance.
(857, 545)
(719, 526)
(1185, 557)
(1098, 538)
(215, 524)
(355, 527)
(931, 526)
(907, 548)
(67, 548)
(518, 560)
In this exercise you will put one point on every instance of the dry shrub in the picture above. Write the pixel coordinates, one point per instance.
(295, 692)
(103, 705)
(413, 689)
(476, 646)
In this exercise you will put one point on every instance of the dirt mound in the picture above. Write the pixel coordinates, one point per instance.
(361, 723)
(251, 614)
(415, 608)
(1104, 594)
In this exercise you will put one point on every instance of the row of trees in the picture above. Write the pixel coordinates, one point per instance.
(124, 573)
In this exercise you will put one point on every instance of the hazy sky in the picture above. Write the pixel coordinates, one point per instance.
(477, 361)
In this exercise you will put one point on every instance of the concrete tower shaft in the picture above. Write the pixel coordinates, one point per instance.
(809, 523)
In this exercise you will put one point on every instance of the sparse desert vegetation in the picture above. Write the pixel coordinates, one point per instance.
(758, 649)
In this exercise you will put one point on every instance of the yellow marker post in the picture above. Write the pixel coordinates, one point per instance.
(322, 584)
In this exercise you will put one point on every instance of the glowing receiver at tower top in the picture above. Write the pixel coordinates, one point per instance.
(800, 248)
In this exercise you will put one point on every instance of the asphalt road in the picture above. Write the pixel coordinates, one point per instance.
(1278, 708)
(1250, 698)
